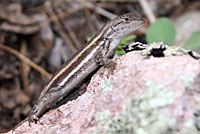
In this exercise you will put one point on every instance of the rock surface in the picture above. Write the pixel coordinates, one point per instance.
(144, 95)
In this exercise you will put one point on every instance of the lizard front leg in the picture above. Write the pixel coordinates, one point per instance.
(101, 57)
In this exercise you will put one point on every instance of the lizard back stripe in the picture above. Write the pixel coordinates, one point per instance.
(74, 64)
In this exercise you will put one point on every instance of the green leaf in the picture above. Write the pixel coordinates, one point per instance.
(120, 52)
(162, 30)
(128, 38)
(125, 41)
(193, 42)
(88, 39)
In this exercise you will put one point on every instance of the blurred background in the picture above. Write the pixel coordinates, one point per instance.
(38, 36)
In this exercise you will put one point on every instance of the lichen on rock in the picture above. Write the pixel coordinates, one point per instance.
(141, 115)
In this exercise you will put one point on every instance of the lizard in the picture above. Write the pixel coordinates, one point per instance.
(97, 52)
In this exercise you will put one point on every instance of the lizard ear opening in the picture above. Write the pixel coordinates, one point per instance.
(113, 29)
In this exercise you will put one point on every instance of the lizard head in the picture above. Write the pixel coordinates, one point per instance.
(125, 24)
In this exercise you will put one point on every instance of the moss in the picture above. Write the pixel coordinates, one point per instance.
(141, 115)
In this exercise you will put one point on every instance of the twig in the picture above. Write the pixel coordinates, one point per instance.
(147, 10)
(24, 68)
(26, 60)
(121, 1)
(68, 13)
(60, 15)
(88, 16)
(73, 36)
(98, 9)
(62, 32)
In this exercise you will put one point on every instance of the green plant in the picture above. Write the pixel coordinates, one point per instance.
(193, 42)
(162, 30)
(125, 41)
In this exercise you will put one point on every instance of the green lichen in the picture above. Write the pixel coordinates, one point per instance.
(193, 124)
(189, 127)
(197, 113)
(188, 82)
(141, 115)
(107, 85)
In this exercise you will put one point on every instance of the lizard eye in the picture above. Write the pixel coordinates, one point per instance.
(126, 19)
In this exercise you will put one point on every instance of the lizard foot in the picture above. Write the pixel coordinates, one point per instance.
(110, 65)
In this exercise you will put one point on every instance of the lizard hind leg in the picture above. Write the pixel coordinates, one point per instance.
(33, 118)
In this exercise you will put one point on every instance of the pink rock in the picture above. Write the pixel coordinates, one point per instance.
(143, 95)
